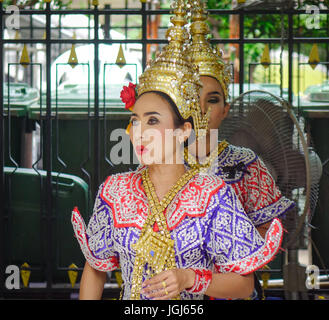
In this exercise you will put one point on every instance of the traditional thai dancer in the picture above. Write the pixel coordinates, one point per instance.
(174, 233)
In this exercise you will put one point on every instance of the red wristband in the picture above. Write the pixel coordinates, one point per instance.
(201, 281)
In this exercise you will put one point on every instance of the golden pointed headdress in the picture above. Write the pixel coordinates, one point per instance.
(172, 72)
(208, 59)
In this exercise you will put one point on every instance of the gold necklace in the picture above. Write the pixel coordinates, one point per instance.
(193, 163)
(155, 249)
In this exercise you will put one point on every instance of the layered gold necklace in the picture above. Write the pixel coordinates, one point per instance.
(155, 250)
(193, 163)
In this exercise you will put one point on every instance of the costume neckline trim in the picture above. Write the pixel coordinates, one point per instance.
(125, 194)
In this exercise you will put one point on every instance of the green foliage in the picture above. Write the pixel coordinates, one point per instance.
(303, 3)
(215, 4)
(36, 4)
(269, 26)
(219, 24)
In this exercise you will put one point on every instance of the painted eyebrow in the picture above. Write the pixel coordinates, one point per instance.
(146, 114)
(214, 92)
(151, 113)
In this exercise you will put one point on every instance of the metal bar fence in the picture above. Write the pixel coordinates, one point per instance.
(48, 217)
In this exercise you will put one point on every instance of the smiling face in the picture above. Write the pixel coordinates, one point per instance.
(212, 96)
(153, 133)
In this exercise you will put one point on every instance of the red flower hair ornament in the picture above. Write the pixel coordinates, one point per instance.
(128, 96)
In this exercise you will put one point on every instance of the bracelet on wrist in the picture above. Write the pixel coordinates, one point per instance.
(202, 280)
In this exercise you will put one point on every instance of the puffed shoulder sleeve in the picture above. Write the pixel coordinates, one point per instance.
(264, 200)
(96, 240)
(233, 242)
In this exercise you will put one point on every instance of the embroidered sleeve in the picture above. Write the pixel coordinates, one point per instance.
(96, 241)
(233, 242)
(261, 198)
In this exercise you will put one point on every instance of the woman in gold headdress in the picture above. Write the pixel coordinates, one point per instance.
(165, 227)
(238, 166)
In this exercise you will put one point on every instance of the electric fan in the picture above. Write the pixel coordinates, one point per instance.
(266, 124)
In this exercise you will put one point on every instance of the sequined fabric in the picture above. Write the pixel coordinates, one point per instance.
(206, 221)
(255, 187)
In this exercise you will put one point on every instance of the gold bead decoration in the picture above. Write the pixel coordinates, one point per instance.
(173, 73)
(155, 249)
(203, 167)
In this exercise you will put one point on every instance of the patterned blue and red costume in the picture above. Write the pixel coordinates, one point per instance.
(252, 182)
(206, 221)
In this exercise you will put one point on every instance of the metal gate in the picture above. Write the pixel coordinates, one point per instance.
(38, 189)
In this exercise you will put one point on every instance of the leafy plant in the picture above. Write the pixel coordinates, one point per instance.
(268, 26)
(37, 4)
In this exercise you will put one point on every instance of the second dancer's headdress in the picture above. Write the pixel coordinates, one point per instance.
(208, 59)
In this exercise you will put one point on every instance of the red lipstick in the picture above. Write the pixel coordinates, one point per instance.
(140, 149)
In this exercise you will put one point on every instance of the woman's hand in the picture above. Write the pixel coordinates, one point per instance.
(168, 284)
